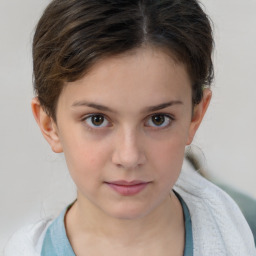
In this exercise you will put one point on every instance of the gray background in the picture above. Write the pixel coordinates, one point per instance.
(34, 182)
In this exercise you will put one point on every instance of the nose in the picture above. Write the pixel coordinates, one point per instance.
(128, 151)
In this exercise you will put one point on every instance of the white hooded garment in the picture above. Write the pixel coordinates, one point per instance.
(218, 226)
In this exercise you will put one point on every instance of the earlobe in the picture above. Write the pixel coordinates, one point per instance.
(47, 126)
(198, 114)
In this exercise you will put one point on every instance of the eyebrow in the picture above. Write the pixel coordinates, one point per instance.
(107, 109)
(92, 105)
(163, 105)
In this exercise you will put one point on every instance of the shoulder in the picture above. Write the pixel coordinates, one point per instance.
(28, 240)
(215, 216)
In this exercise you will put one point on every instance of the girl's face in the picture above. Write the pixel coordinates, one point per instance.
(123, 129)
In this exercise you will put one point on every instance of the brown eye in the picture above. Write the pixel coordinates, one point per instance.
(96, 121)
(159, 120)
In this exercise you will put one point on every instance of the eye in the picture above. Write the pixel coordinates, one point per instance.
(96, 120)
(159, 120)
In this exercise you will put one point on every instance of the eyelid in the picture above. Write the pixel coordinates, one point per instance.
(169, 116)
(87, 116)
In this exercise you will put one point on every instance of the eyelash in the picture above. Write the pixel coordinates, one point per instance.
(148, 119)
(92, 127)
(167, 117)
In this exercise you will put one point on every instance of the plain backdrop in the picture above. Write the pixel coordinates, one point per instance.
(34, 182)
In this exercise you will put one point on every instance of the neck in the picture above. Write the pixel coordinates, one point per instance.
(85, 218)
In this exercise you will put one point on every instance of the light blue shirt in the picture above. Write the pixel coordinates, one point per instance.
(56, 242)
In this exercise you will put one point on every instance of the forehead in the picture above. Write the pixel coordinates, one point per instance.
(143, 75)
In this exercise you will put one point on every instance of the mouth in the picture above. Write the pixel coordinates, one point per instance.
(128, 188)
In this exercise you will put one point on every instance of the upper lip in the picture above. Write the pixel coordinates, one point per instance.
(127, 183)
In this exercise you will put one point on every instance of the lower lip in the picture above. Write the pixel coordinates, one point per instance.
(128, 190)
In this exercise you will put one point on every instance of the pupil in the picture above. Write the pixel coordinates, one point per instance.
(97, 120)
(158, 120)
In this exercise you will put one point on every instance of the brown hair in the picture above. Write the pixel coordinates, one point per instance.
(72, 35)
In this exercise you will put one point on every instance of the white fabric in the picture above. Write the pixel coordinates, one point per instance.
(218, 226)
(28, 241)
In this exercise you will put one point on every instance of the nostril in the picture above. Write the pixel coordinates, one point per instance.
(128, 149)
(128, 159)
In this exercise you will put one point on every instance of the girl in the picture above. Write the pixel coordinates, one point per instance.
(121, 88)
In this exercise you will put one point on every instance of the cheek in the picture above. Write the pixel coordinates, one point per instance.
(85, 167)
(168, 157)
(84, 159)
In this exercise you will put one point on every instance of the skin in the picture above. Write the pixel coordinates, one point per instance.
(127, 93)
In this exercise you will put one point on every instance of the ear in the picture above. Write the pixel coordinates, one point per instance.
(47, 126)
(198, 114)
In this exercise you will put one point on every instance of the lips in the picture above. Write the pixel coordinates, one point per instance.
(128, 188)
